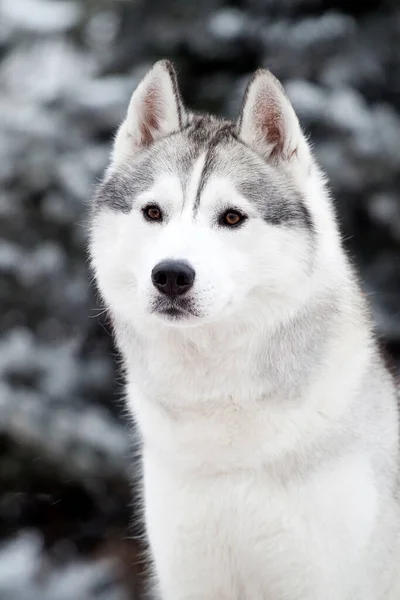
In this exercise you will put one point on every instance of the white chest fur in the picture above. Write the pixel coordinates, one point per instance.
(249, 494)
(244, 535)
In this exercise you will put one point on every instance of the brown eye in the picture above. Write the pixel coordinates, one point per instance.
(231, 218)
(152, 213)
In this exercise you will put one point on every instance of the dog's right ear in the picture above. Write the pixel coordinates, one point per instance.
(155, 110)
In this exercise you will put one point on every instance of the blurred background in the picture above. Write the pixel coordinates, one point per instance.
(67, 69)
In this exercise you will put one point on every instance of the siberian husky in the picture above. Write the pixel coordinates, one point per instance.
(268, 421)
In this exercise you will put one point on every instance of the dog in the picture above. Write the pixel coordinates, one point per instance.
(268, 420)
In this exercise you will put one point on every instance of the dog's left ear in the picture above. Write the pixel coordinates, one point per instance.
(267, 121)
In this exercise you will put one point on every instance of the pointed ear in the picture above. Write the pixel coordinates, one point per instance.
(155, 110)
(267, 120)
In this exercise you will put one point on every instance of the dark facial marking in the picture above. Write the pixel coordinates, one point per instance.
(210, 134)
(276, 207)
(209, 164)
(119, 191)
(114, 194)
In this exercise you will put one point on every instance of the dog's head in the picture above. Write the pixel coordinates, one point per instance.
(198, 218)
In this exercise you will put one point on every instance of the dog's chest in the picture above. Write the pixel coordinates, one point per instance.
(265, 535)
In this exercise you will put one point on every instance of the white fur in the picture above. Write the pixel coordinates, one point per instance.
(265, 477)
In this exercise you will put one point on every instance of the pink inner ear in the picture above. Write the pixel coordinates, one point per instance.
(150, 122)
(270, 121)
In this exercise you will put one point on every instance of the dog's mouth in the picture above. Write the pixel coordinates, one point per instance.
(174, 310)
(172, 313)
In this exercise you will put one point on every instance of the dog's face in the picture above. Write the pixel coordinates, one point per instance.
(199, 219)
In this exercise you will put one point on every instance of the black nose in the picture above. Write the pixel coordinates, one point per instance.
(173, 277)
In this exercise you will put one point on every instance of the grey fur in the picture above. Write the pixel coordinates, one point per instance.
(118, 191)
(225, 153)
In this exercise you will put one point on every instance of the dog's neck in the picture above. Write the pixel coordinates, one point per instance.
(243, 389)
(244, 360)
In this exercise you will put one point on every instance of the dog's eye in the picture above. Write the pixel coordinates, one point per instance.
(152, 212)
(231, 218)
